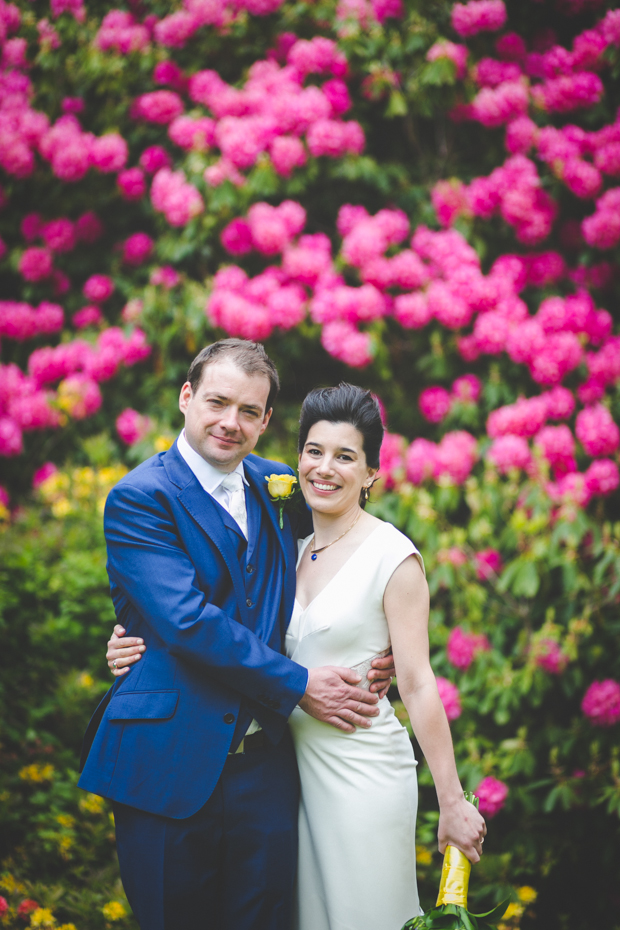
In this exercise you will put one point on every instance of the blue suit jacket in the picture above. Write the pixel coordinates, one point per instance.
(160, 737)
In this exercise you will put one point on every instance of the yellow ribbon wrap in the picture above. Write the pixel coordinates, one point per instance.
(454, 878)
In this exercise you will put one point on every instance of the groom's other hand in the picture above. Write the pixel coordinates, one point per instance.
(123, 651)
(381, 675)
(331, 697)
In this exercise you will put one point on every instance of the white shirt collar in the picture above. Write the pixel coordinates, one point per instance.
(209, 477)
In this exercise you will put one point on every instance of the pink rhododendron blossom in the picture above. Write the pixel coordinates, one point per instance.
(392, 460)
(11, 442)
(166, 276)
(521, 135)
(602, 477)
(31, 226)
(79, 396)
(550, 657)
(132, 184)
(572, 489)
(88, 228)
(98, 288)
(158, 106)
(72, 105)
(42, 474)
(596, 431)
(59, 235)
(74, 7)
(523, 418)
(463, 647)
(137, 248)
(492, 795)
(154, 158)
(455, 456)
(557, 445)
(175, 30)
(287, 152)
(602, 229)
(48, 36)
(109, 153)
(497, 106)
(173, 196)
(467, 389)
(132, 426)
(420, 460)
(601, 703)
(35, 264)
(450, 698)
(192, 134)
(120, 31)
(478, 16)
(412, 310)
(345, 342)
(568, 92)
(453, 52)
(434, 404)
(509, 452)
(560, 403)
(168, 73)
(88, 316)
(449, 200)
(488, 563)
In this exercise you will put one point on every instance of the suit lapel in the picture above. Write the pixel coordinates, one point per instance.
(208, 515)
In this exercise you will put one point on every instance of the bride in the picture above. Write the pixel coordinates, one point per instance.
(361, 590)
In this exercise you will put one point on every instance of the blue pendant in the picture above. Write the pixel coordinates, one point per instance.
(313, 557)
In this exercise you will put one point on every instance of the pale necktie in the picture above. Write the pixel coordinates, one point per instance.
(233, 485)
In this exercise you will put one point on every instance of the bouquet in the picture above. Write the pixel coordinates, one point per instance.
(450, 911)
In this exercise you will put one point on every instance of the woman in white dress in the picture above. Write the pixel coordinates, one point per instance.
(361, 590)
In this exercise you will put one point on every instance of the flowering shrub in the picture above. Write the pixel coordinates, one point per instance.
(419, 198)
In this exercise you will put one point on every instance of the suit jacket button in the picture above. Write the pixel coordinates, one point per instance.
(229, 718)
(249, 569)
(250, 602)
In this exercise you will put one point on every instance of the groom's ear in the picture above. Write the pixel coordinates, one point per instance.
(266, 420)
(185, 396)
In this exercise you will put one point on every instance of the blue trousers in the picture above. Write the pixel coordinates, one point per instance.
(231, 866)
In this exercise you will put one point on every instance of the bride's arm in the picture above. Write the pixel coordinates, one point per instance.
(406, 604)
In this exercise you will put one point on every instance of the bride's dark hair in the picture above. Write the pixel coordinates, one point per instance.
(345, 403)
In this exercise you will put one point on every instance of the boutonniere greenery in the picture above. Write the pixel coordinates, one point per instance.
(282, 490)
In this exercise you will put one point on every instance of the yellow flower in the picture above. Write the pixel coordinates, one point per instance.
(65, 820)
(62, 507)
(513, 910)
(163, 443)
(85, 680)
(4, 512)
(423, 856)
(280, 487)
(67, 927)
(42, 917)
(37, 772)
(92, 804)
(64, 845)
(526, 894)
(10, 884)
(114, 910)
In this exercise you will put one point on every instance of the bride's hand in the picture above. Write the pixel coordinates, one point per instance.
(461, 825)
(123, 651)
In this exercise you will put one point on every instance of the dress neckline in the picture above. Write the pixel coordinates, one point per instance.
(342, 567)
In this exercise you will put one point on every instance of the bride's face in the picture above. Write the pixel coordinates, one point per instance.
(333, 468)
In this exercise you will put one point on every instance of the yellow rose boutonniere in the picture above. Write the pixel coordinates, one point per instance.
(281, 490)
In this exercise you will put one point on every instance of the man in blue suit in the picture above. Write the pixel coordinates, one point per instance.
(192, 746)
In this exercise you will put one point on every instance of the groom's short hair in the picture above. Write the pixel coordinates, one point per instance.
(250, 357)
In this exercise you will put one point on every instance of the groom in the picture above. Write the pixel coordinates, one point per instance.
(192, 746)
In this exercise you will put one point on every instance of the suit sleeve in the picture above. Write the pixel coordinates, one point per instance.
(147, 560)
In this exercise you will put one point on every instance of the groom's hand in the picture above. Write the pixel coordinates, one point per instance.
(331, 697)
(381, 675)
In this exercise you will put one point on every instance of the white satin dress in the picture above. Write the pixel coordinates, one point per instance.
(359, 795)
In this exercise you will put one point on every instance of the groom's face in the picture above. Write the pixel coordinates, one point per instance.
(226, 414)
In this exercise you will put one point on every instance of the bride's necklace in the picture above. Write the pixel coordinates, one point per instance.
(315, 552)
